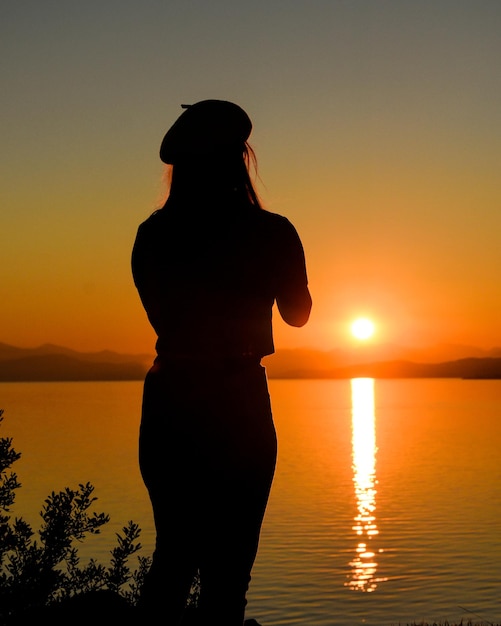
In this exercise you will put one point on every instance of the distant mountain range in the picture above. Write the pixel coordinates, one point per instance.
(55, 363)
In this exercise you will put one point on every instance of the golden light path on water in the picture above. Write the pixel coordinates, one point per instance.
(363, 576)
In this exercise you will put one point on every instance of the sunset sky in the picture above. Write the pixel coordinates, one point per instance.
(377, 127)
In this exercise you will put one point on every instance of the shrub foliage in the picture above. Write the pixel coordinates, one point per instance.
(39, 572)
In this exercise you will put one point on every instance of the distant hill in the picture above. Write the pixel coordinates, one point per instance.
(466, 362)
(56, 363)
(485, 368)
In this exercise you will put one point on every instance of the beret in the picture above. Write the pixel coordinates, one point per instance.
(208, 127)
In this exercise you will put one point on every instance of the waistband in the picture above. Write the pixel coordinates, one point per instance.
(219, 362)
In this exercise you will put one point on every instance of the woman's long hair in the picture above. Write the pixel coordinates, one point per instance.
(221, 178)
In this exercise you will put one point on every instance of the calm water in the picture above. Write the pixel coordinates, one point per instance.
(386, 506)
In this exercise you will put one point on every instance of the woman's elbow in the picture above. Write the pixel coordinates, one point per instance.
(296, 313)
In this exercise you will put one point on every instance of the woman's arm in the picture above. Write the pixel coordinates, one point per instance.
(293, 296)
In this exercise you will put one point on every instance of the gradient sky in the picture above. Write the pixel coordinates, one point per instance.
(377, 127)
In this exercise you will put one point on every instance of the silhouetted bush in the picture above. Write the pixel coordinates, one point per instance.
(44, 578)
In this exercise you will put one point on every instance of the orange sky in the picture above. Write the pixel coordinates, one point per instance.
(376, 127)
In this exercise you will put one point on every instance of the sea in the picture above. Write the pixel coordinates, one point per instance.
(385, 508)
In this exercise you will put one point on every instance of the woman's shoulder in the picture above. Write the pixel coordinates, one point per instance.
(273, 219)
(154, 220)
(263, 219)
(279, 225)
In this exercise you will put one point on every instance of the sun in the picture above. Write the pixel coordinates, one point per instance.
(362, 328)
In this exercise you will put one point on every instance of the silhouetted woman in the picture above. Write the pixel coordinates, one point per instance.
(209, 266)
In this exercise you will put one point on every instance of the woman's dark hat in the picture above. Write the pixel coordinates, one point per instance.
(209, 127)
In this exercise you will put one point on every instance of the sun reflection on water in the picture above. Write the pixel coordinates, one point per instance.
(364, 565)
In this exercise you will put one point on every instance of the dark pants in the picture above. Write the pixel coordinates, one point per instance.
(207, 455)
